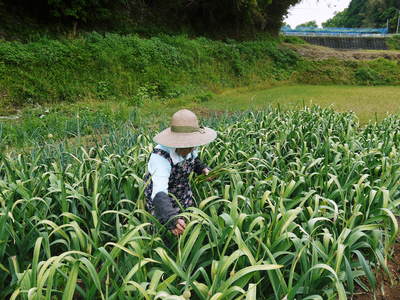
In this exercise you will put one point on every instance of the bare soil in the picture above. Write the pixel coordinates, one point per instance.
(387, 289)
(320, 53)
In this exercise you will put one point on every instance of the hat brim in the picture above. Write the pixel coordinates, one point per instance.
(172, 139)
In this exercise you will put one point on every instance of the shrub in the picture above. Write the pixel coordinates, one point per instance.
(394, 42)
(114, 66)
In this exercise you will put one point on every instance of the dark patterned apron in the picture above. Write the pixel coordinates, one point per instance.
(178, 184)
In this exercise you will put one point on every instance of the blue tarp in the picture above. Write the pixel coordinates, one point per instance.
(334, 31)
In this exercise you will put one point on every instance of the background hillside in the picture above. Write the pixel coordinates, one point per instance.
(367, 13)
(134, 69)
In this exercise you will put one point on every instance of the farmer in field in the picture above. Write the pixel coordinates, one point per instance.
(170, 164)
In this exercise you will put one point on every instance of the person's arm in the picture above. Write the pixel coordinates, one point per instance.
(199, 166)
(164, 211)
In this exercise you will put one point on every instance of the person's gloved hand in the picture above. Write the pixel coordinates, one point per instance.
(206, 171)
(179, 228)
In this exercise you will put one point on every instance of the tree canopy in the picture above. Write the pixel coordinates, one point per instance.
(308, 24)
(367, 13)
(200, 16)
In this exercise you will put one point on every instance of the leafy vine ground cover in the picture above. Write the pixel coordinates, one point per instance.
(302, 206)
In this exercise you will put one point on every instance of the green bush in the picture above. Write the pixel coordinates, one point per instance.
(117, 67)
(329, 71)
(292, 40)
(366, 75)
(378, 72)
(393, 42)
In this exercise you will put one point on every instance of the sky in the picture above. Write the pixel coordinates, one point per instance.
(318, 10)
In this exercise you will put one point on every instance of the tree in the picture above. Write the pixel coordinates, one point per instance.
(83, 10)
(223, 18)
(228, 15)
(79, 9)
(367, 13)
(286, 25)
(308, 24)
(339, 20)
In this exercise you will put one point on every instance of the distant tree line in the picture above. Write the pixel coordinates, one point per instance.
(308, 24)
(200, 16)
(367, 13)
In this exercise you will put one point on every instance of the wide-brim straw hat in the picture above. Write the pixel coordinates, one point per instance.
(185, 132)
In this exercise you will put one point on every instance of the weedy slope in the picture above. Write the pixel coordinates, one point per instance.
(302, 206)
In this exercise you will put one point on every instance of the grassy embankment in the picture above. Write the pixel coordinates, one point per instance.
(111, 79)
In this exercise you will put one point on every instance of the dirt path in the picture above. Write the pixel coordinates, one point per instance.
(319, 53)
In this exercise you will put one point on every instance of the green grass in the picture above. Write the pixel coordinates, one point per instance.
(97, 117)
(369, 103)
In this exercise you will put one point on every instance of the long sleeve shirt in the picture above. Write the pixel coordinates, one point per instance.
(160, 168)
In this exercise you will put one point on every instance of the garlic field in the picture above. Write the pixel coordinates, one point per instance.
(303, 205)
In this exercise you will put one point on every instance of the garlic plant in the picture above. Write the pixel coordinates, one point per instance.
(302, 206)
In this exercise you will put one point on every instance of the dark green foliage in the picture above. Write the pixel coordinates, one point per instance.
(339, 20)
(308, 24)
(331, 71)
(286, 25)
(367, 13)
(292, 40)
(128, 67)
(237, 18)
(65, 10)
(385, 72)
(394, 42)
(367, 75)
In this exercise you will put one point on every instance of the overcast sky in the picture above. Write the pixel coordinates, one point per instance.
(318, 10)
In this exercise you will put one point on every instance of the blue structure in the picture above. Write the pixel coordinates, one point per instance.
(334, 31)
